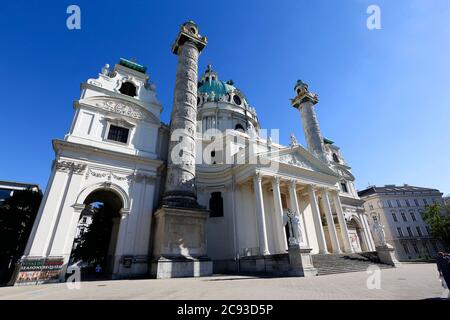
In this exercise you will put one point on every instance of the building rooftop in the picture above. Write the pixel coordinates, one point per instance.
(132, 65)
(17, 185)
(393, 189)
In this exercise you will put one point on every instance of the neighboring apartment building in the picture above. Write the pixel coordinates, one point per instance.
(400, 209)
(7, 188)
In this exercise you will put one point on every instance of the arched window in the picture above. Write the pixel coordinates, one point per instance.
(239, 127)
(335, 158)
(128, 88)
(216, 205)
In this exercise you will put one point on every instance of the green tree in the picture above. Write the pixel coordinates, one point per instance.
(17, 215)
(438, 219)
(94, 242)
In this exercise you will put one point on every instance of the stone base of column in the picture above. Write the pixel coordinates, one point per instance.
(181, 199)
(180, 267)
(386, 254)
(300, 262)
(179, 244)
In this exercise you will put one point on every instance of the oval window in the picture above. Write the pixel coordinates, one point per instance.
(237, 100)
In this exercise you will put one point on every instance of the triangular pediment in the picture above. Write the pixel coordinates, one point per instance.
(299, 157)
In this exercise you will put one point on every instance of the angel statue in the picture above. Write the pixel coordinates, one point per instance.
(379, 229)
(295, 236)
(293, 140)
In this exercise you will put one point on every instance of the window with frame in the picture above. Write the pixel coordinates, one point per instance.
(407, 203)
(409, 231)
(405, 247)
(344, 187)
(128, 89)
(400, 232)
(416, 202)
(419, 231)
(403, 216)
(399, 203)
(413, 216)
(425, 202)
(394, 216)
(216, 205)
(119, 134)
(389, 203)
(428, 229)
(416, 249)
(335, 158)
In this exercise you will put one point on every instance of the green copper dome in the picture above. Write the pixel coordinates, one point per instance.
(219, 88)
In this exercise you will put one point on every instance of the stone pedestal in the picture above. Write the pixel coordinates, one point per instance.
(179, 245)
(300, 262)
(386, 254)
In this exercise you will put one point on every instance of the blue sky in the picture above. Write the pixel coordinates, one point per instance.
(384, 94)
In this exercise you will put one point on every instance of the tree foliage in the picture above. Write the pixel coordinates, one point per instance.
(94, 242)
(438, 219)
(17, 215)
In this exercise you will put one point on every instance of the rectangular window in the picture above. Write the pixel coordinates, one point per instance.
(405, 247)
(425, 202)
(344, 187)
(413, 216)
(419, 232)
(416, 202)
(400, 232)
(416, 249)
(428, 230)
(118, 134)
(407, 203)
(394, 216)
(404, 216)
(389, 203)
(409, 231)
(398, 203)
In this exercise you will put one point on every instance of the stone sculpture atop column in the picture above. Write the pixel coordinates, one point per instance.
(304, 102)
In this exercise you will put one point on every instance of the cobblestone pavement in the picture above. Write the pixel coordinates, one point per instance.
(410, 281)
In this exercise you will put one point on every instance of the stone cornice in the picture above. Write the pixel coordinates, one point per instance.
(59, 145)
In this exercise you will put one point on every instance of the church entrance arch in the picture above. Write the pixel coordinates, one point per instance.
(97, 232)
(356, 235)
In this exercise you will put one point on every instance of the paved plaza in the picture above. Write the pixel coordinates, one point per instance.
(410, 281)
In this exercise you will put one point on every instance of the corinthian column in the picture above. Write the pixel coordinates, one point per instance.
(260, 215)
(180, 181)
(330, 222)
(342, 223)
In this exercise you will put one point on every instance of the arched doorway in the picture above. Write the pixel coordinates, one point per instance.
(356, 235)
(96, 237)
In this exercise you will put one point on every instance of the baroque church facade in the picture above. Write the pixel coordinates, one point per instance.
(207, 193)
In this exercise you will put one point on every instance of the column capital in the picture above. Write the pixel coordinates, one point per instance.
(189, 33)
(292, 183)
(258, 176)
(276, 180)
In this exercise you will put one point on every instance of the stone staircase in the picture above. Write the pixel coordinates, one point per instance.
(348, 262)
